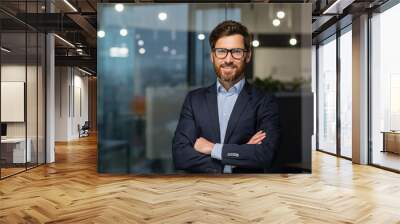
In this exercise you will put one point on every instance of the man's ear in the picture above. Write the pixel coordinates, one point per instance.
(211, 57)
(248, 56)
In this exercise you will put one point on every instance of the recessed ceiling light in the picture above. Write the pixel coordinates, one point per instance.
(101, 33)
(165, 48)
(173, 51)
(119, 7)
(140, 42)
(162, 16)
(201, 36)
(276, 22)
(293, 41)
(142, 50)
(255, 43)
(123, 32)
(280, 14)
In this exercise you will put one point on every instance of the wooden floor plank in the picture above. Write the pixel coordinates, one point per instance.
(71, 191)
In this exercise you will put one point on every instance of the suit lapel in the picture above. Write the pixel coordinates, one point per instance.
(240, 105)
(212, 104)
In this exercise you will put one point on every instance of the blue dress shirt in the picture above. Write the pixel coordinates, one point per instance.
(226, 102)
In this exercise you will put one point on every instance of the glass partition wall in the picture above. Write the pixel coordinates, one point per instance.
(145, 69)
(22, 87)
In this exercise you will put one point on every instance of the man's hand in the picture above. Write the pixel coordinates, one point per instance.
(203, 145)
(257, 138)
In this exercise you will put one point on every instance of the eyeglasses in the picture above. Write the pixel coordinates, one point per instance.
(237, 53)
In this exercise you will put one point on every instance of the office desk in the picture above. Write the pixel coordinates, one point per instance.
(16, 147)
(391, 141)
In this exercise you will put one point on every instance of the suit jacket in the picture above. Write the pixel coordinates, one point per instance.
(254, 110)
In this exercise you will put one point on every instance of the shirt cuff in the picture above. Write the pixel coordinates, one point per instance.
(216, 152)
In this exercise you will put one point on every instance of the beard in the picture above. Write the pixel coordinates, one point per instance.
(229, 72)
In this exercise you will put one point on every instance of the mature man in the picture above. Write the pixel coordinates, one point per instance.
(229, 127)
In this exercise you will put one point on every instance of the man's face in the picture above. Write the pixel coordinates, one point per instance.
(230, 69)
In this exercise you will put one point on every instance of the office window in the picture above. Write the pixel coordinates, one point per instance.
(385, 89)
(327, 96)
(314, 90)
(346, 94)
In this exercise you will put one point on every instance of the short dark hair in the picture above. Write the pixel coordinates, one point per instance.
(228, 28)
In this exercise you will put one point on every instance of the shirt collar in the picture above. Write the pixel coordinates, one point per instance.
(236, 88)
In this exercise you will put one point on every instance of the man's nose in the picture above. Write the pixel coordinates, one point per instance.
(228, 58)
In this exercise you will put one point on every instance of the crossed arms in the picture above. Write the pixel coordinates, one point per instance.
(191, 152)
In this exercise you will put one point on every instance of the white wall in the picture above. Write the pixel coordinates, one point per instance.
(12, 73)
(61, 103)
(70, 83)
(33, 126)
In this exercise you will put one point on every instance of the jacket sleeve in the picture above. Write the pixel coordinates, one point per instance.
(185, 157)
(257, 155)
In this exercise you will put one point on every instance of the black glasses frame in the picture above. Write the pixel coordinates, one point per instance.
(230, 51)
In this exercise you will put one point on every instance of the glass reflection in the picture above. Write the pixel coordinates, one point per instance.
(144, 74)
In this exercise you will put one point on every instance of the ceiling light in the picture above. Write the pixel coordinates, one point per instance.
(162, 16)
(142, 50)
(293, 41)
(101, 33)
(123, 32)
(276, 22)
(255, 43)
(5, 50)
(201, 36)
(65, 41)
(173, 52)
(78, 50)
(280, 14)
(119, 7)
(165, 48)
(140, 42)
(334, 8)
(84, 71)
(70, 5)
(119, 52)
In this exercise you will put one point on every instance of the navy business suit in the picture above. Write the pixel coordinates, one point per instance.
(254, 110)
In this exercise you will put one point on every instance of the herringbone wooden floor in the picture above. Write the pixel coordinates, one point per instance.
(70, 191)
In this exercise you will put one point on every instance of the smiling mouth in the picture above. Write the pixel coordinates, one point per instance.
(227, 68)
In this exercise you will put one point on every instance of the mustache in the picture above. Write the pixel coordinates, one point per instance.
(227, 66)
